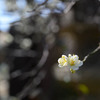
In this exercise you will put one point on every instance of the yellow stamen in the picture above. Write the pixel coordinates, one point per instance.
(73, 71)
(72, 62)
(62, 61)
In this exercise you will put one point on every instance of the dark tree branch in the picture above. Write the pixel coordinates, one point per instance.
(37, 6)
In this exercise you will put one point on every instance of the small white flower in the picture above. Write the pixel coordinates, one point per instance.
(73, 62)
(62, 61)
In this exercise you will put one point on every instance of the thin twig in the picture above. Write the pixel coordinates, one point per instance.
(94, 51)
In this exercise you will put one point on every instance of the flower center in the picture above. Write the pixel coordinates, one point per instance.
(72, 62)
(63, 61)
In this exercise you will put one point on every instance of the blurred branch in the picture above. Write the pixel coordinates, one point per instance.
(69, 6)
(34, 71)
(22, 53)
(37, 76)
(4, 83)
(38, 66)
(31, 85)
(37, 6)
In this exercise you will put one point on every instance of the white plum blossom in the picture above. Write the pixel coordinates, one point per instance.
(72, 62)
(62, 61)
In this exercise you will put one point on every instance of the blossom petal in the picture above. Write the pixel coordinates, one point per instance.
(59, 60)
(75, 57)
(69, 55)
(65, 64)
(64, 56)
(80, 63)
(74, 67)
(60, 65)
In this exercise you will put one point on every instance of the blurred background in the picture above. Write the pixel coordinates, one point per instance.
(34, 34)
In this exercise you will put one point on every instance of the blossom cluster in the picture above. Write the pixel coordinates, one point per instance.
(72, 62)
